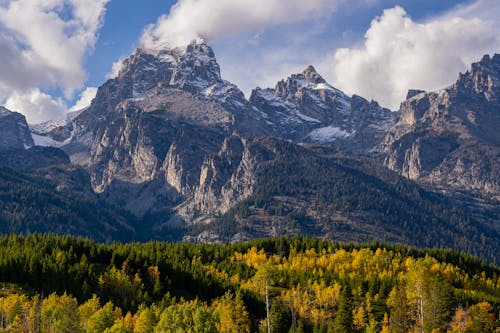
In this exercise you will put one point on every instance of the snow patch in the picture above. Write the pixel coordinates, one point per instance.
(306, 118)
(272, 99)
(328, 134)
(48, 126)
(323, 86)
(47, 141)
(168, 58)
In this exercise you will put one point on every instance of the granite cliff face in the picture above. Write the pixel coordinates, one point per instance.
(449, 139)
(146, 135)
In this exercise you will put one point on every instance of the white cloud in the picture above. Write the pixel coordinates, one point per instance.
(43, 43)
(115, 69)
(189, 19)
(485, 9)
(86, 98)
(36, 106)
(399, 54)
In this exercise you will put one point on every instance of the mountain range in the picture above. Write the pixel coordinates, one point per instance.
(170, 150)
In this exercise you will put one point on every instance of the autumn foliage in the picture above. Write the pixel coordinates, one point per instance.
(64, 284)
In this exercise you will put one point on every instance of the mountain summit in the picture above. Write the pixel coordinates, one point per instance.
(192, 68)
(306, 108)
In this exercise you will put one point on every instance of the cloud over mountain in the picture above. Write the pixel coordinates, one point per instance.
(189, 19)
(36, 105)
(399, 53)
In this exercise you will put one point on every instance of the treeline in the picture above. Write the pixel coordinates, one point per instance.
(300, 284)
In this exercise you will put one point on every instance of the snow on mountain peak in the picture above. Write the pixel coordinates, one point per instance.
(192, 68)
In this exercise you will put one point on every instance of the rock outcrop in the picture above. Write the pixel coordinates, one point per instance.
(449, 138)
(14, 131)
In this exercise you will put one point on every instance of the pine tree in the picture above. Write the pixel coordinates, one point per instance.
(438, 305)
(280, 318)
(343, 322)
(399, 321)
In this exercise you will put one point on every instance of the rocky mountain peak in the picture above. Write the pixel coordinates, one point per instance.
(449, 138)
(298, 85)
(482, 80)
(306, 108)
(193, 68)
(414, 92)
(312, 76)
(4, 111)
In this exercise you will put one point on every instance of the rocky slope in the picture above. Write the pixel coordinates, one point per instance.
(449, 138)
(284, 189)
(150, 128)
(17, 148)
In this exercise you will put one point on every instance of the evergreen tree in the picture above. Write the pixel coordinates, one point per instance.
(438, 306)
(343, 322)
(280, 318)
(399, 321)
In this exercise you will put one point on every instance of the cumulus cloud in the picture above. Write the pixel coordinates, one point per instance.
(399, 54)
(43, 44)
(50, 45)
(85, 99)
(189, 19)
(36, 106)
(115, 69)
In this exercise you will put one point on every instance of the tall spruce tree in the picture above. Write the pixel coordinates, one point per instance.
(343, 322)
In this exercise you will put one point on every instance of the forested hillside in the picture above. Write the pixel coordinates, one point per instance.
(65, 284)
(314, 191)
(34, 203)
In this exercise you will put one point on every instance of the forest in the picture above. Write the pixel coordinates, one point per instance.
(55, 283)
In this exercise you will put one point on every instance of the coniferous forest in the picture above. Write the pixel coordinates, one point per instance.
(65, 284)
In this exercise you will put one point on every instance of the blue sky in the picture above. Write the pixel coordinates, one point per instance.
(375, 48)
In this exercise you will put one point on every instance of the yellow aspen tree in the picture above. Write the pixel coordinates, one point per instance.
(128, 321)
(385, 324)
(232, 313)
